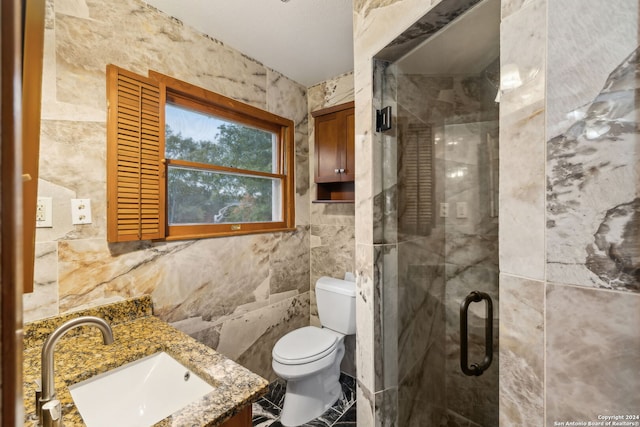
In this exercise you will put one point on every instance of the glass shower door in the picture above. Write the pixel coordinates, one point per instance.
(441, 176)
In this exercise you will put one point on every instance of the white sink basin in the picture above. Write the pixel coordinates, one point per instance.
(140, 393)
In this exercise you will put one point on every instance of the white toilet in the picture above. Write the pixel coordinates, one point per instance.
(309, 358)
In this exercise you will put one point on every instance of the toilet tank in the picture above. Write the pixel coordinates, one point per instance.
(337, 304)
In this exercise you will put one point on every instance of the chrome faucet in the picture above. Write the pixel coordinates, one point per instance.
(47, 399)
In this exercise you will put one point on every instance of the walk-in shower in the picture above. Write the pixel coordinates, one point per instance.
(439, 84)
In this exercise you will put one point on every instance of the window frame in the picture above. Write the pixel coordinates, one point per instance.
(186, 95)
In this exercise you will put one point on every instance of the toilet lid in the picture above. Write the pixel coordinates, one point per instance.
(304, 345)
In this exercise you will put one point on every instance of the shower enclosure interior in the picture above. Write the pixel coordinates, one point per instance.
(439, 231)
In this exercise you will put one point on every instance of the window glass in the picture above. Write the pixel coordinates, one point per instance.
(205, 197)
(198, 137)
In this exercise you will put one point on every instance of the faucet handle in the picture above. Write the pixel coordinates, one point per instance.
(52, 414)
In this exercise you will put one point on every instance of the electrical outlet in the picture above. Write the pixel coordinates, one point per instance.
(41, 210)
(444, 210)
(462, 210)
(44, 214)
(81, 211)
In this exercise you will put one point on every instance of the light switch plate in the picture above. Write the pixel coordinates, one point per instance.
(81, 211)
(462, 210)
(444, 210)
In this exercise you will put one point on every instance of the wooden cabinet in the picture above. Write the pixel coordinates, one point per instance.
(241, 419)
(334, 130)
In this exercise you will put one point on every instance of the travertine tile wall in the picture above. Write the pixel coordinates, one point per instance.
(332, 225)
(238, 294)
(569, 191)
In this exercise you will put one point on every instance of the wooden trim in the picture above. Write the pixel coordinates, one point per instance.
(31, 106)
(241, 113)
(201, 231)
(222, 169)
(348, 155)
(333, 201)
(187, 90)
(289, 192)
(333, 109)
(11, 237)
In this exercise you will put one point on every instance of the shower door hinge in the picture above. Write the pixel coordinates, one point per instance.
(383, 119)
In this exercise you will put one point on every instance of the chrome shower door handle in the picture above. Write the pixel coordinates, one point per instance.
(476, 369)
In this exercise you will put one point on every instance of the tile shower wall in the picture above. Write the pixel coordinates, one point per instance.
(593, 210)
(332, 225)
(580, 248)
(522, 216)
(569, 193)
(238, 294)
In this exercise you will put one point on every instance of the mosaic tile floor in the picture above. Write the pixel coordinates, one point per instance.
(266, 411)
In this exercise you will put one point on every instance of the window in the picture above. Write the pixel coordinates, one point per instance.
(184, 162)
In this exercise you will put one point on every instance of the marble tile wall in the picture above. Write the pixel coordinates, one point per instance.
(237, 294)
(522, 215)
(593, 206)
(332, 231)
(579, 95)
(522, 155)
(592, 365)
(592, 155)
(521, 351)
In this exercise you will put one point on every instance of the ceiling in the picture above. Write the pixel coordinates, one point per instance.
(308, 41)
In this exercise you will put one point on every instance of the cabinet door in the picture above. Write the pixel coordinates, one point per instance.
(348, 152)
(328, 140)
(241, 419)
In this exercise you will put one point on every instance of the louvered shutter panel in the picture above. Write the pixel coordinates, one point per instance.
(416, 176)
(135, 149)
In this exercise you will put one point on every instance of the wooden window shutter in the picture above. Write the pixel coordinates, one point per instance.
(135, 152)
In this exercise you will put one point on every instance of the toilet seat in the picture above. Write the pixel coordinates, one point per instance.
(304, 345)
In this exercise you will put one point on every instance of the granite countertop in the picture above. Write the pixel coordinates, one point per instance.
(80, 354)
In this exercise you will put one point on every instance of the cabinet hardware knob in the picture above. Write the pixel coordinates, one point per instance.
(337, 170)
(341, 170)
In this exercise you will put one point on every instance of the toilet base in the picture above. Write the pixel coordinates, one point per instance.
(308, 398)
(312, 387)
